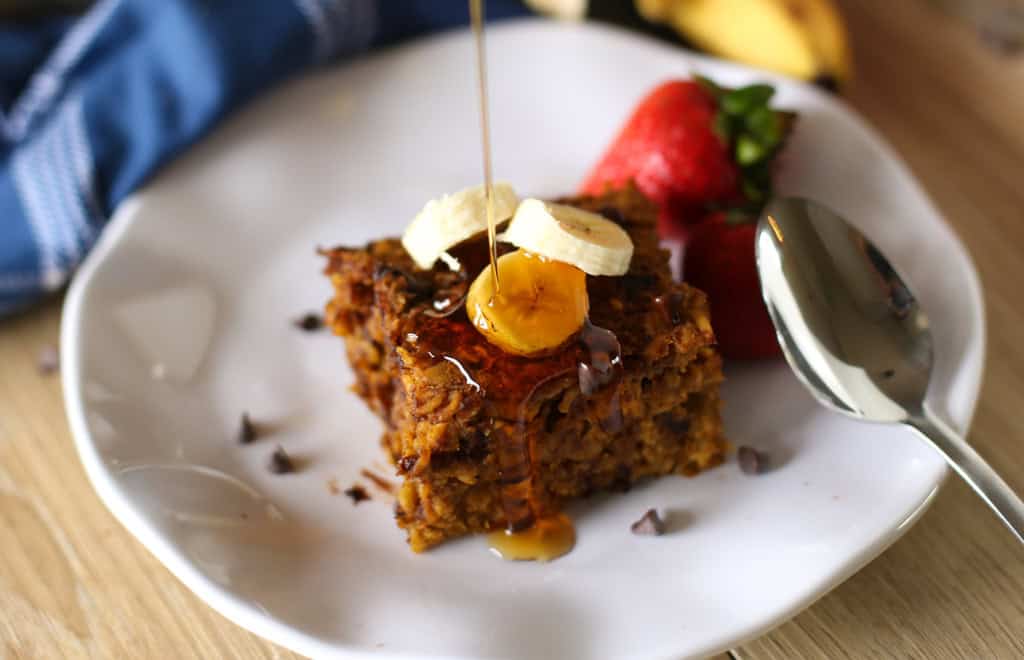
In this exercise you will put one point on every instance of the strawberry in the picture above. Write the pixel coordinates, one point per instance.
(670, 148)
(719, 260)
(705, 155)
(692, 146)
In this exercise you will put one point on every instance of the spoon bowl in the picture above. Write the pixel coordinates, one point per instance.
(855, 335)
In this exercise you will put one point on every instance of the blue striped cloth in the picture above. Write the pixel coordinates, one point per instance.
(91, 107)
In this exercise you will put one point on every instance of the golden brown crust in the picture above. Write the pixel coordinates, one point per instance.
(446, 394)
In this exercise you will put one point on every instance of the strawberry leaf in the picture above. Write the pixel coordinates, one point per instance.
(740, 102)
(748, 150)
(764, 125)
(754, 134)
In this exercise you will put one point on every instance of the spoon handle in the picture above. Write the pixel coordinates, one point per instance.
(974, 470)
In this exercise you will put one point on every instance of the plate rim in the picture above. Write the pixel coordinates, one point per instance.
(249, 616)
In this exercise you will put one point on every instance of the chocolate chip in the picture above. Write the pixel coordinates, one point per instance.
(677, 425)
(357, 494)
(474, 446)
(612, 213)
(246, 430)
(636, 284)
(407, 463)
(751, 460)
(622, 482)
(671, 306)
(281, 462)
(888, 373)
(309, 322)
(650, 524)
(48, 360)
(416, 286)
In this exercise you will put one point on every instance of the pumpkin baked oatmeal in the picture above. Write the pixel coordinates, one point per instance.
(485, 439)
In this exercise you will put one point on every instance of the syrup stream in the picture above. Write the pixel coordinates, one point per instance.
(476, 12)
(528, 534)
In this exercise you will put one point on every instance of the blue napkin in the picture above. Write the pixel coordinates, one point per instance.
(90, 107)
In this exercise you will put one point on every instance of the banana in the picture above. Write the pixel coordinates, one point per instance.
(595, 245)
(540, 305)
(801, 38)
(566, 10)
(827, 35)
(446, 222)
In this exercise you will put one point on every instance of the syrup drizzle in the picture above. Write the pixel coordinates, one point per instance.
(533, 531)
(516, 456)
(529, 533)
(601, 374)
(476, 12)
(604, 365)
(548, 539)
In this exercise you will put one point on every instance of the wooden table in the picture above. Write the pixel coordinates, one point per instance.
(73, 583)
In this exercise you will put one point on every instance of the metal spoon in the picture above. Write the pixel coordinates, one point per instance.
(854, 334)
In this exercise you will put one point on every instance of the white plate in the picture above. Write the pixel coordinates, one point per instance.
(179, 321)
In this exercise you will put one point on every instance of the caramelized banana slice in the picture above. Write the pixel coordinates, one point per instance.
(542, 303)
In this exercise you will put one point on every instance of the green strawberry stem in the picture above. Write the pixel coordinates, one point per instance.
(754, 133)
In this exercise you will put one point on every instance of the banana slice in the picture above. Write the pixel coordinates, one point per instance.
(594, 244)
(448, 221)
(541, 304)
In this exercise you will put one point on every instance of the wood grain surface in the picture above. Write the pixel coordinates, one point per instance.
(74, 584)
(953, 587)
